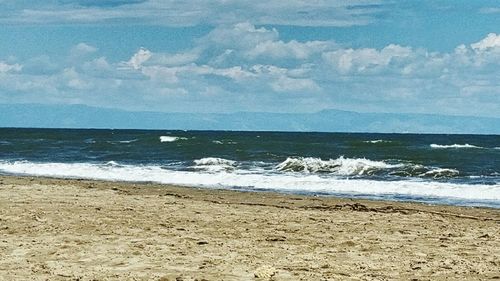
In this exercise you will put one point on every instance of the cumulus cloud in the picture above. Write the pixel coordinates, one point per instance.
(483, 55)
(73, 80)
(245, 67)
(491, 41)
(239, 36)
(245, 43)
(174, 59)
(139, 58)
(278, 49)
(366, 59)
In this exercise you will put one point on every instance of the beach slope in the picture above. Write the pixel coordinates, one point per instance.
(88, 230)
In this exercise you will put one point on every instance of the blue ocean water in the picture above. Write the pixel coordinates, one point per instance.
(442, 169)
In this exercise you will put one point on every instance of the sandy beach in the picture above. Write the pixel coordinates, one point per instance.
(87, 230)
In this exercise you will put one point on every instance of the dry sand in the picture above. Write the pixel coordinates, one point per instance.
(87, 230)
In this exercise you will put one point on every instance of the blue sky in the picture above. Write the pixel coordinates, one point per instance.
(273, 56)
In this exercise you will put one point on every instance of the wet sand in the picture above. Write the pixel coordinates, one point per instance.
(88, 230)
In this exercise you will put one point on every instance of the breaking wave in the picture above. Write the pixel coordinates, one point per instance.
(112, 164)
(440, 173)
(214, 164)
(363, 167)
(224, 142)
(454, 193)
(170, 138)
(377, 141)
(128, 141)
(454, 146)
(122, 141)
(340, 166)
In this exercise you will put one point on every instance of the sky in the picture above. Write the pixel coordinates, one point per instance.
(438, 57)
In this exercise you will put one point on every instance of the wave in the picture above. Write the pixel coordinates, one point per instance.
(224, 142)
(170, 138)
(214, 164)
(5, 143)
(421, 171)
(122, 141)
(340, 166)
(441, 173)
(478, 194)
(454, 146)
(377, 141)
(128, 141)
(363, 167)
(112, 164)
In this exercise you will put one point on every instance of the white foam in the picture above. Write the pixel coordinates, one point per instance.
(454, 146)
(112, 163)
(128, 141)
(278, 182)
(214, 161)
(226, 142)
(440, 173)
(214, 164)
(122, 141)
(340, 166)
(170, 138)
(377, 141)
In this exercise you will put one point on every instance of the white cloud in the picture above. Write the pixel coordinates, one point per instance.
(244, 44)
(483, 55)
(80, 52)
(82, 49)
(292, 49)
(161, 74)
(243, 67)
(239, 36)
(97, 65)
(174, 59)
(366, 59)
(5, 67)
(268, 69)
(491, 41)
(73, 80)
(139, 58)
(166, 74)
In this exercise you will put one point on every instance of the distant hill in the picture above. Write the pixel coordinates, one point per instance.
(80, 116)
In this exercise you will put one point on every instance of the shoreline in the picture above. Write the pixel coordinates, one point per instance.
(157, 187)
(370, 199)
(65, 229)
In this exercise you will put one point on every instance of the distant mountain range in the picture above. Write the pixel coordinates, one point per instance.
(80, 116)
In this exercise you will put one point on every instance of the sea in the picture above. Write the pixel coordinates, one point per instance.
(430, 168)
